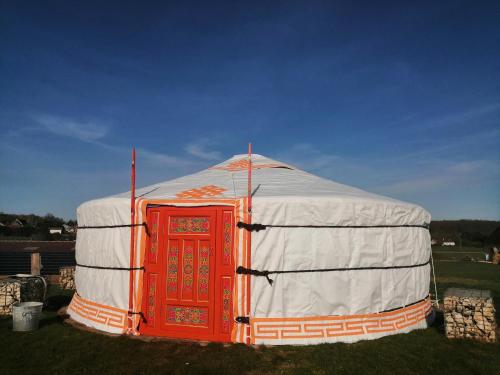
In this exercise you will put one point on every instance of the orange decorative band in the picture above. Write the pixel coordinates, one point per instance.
(320, 327)
(202, 192)
(106, 315)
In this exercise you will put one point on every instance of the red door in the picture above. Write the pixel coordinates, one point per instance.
(188, 277)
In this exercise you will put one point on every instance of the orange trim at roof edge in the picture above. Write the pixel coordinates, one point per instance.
(243, 165)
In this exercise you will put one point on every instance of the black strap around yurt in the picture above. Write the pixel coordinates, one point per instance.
(258, 227)
(111, 268)
(265, 273)
(145, 225)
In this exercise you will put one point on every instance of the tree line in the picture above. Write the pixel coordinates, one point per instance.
(476, 233)
(34, 227)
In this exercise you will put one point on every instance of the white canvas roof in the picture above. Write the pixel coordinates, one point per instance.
(275, 184)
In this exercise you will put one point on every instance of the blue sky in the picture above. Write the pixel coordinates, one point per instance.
(401, 99)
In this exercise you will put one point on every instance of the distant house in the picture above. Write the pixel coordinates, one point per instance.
(69, 228)
(448, 243)
(55, 230)
(16, 224)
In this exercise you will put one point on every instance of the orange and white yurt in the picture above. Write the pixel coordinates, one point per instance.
(312, 261)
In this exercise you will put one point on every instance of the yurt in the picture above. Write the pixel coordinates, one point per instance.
(255, 251)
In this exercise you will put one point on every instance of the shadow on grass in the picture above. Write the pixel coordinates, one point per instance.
(438, 323)
(50, 320)
(54, 303)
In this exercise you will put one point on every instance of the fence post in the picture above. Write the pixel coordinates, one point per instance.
(36, 262)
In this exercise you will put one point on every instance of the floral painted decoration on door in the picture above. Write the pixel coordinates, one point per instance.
(187, 271)
(182, 224)
(153, 249)
(203, 271)
(172, 271)
(152, 299)
(228, 238)
(226, 304)
(187, 315)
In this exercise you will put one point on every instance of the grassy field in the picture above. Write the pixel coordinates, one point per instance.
(57, 348)
(457, 253)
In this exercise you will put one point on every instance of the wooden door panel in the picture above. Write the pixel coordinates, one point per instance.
(203, 275)
(186, 276)
(189, 273)
(191, 237)
(154, 220)
(172, 267)
(226, 306)
(153, 251)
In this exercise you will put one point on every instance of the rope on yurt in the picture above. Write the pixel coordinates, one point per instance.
(248, 271)
(234, 185)
(111, 268)
(436, 301)
(257, 227)
(145, 225)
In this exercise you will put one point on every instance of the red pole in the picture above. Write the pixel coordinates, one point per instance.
(249, 250)
(250, 182)
(132, 245)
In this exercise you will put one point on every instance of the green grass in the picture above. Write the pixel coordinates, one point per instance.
(57, 348)
(457, 253)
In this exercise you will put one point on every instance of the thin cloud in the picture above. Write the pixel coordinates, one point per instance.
(200, 150)
(308, 157)
(95, 133)
(165, 160)
(444, 175)
(83, 131)
(456, 118)
(485, 137)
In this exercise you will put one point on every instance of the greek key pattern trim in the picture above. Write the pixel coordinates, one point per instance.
(334, 326)
(106, 315)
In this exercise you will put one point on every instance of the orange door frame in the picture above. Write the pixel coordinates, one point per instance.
(221, 266)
